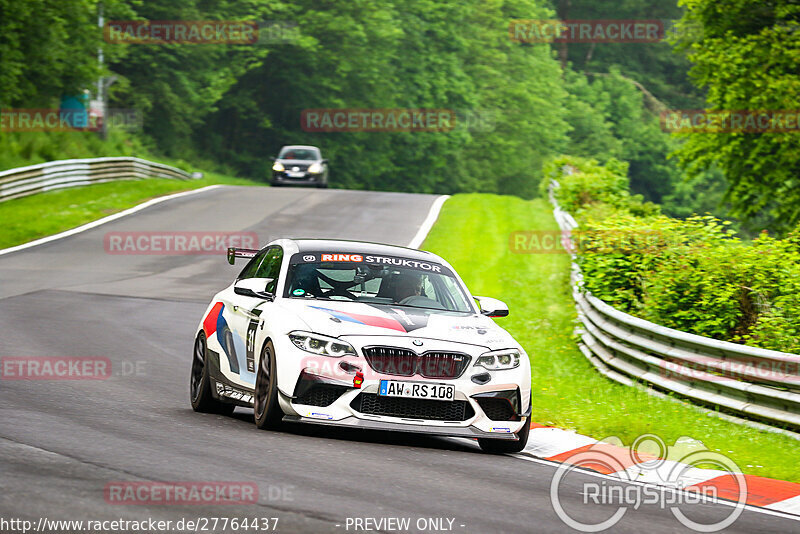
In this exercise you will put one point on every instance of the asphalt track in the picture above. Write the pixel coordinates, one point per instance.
(62, 442)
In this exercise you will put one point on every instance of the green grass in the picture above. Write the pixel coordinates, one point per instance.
(472, 233)
(28, 218)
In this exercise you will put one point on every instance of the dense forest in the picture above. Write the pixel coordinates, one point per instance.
(519, 103)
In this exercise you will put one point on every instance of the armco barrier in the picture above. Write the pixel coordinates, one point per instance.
(750, 381)
(25, 181)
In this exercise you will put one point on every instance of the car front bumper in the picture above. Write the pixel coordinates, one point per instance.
(348, 408)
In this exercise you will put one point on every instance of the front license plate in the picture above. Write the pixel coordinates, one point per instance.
(295, 174)
(417, 390)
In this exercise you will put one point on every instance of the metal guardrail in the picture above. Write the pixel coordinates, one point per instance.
(757, 383)
(25, 181)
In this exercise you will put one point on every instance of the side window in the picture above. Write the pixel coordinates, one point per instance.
(427, 288)
(253, 265)
(270, 267)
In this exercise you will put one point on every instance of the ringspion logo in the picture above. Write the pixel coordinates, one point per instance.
(672, 476)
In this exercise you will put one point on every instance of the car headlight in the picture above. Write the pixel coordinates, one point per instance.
(278, 167)
(499, 360)
(315, 168)
(322, 345)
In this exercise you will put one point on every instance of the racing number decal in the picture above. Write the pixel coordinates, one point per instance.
(252, 326)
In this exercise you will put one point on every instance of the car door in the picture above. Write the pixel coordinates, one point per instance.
(248, 312)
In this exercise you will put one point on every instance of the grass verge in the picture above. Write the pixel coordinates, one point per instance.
(472, 233)
(28, 218)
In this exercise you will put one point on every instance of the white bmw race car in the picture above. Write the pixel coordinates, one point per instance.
(361, 335)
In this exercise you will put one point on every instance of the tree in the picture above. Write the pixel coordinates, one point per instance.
(746, 53)
(47, 48)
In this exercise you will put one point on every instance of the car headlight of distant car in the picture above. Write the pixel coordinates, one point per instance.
(278, 167)
(499, 360)
(322, 345)
(315, 168)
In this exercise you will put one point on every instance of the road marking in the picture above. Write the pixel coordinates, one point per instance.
(104, 220)
(427, 224)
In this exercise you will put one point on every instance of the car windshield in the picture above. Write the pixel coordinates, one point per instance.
(375, 280)
(299, 153)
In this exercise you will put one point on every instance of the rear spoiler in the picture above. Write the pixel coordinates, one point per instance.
(234, 253)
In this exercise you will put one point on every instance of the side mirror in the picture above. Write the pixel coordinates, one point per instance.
(254, 287)
(492, 307)
(325, 161)
(273, 158)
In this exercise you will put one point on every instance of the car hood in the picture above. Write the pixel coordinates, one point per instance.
(338, 318)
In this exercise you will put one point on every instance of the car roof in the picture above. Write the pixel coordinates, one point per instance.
(361, 247)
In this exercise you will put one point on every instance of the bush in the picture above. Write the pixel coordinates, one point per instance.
(585, 184)
(693, 275)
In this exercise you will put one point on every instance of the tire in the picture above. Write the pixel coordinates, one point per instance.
(322, 186)
(501, 446)
(267, 412)
(200, 383)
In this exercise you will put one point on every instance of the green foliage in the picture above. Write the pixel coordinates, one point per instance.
(585, 185)
(746, 54)
(403, 53)
(610, 118)
(656, 65)
(692, 275)
(47, 48)
(18, 149)
(741, 292)
(237, 104)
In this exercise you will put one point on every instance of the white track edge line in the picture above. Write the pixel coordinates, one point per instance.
(427, 224)
(706, 498)
(104, 220)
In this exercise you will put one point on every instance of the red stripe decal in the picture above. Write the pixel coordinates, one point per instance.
(210, 322)
(382, 322)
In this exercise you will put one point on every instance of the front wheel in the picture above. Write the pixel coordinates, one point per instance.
(501, 446)
(200, 382)
(266, 410)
